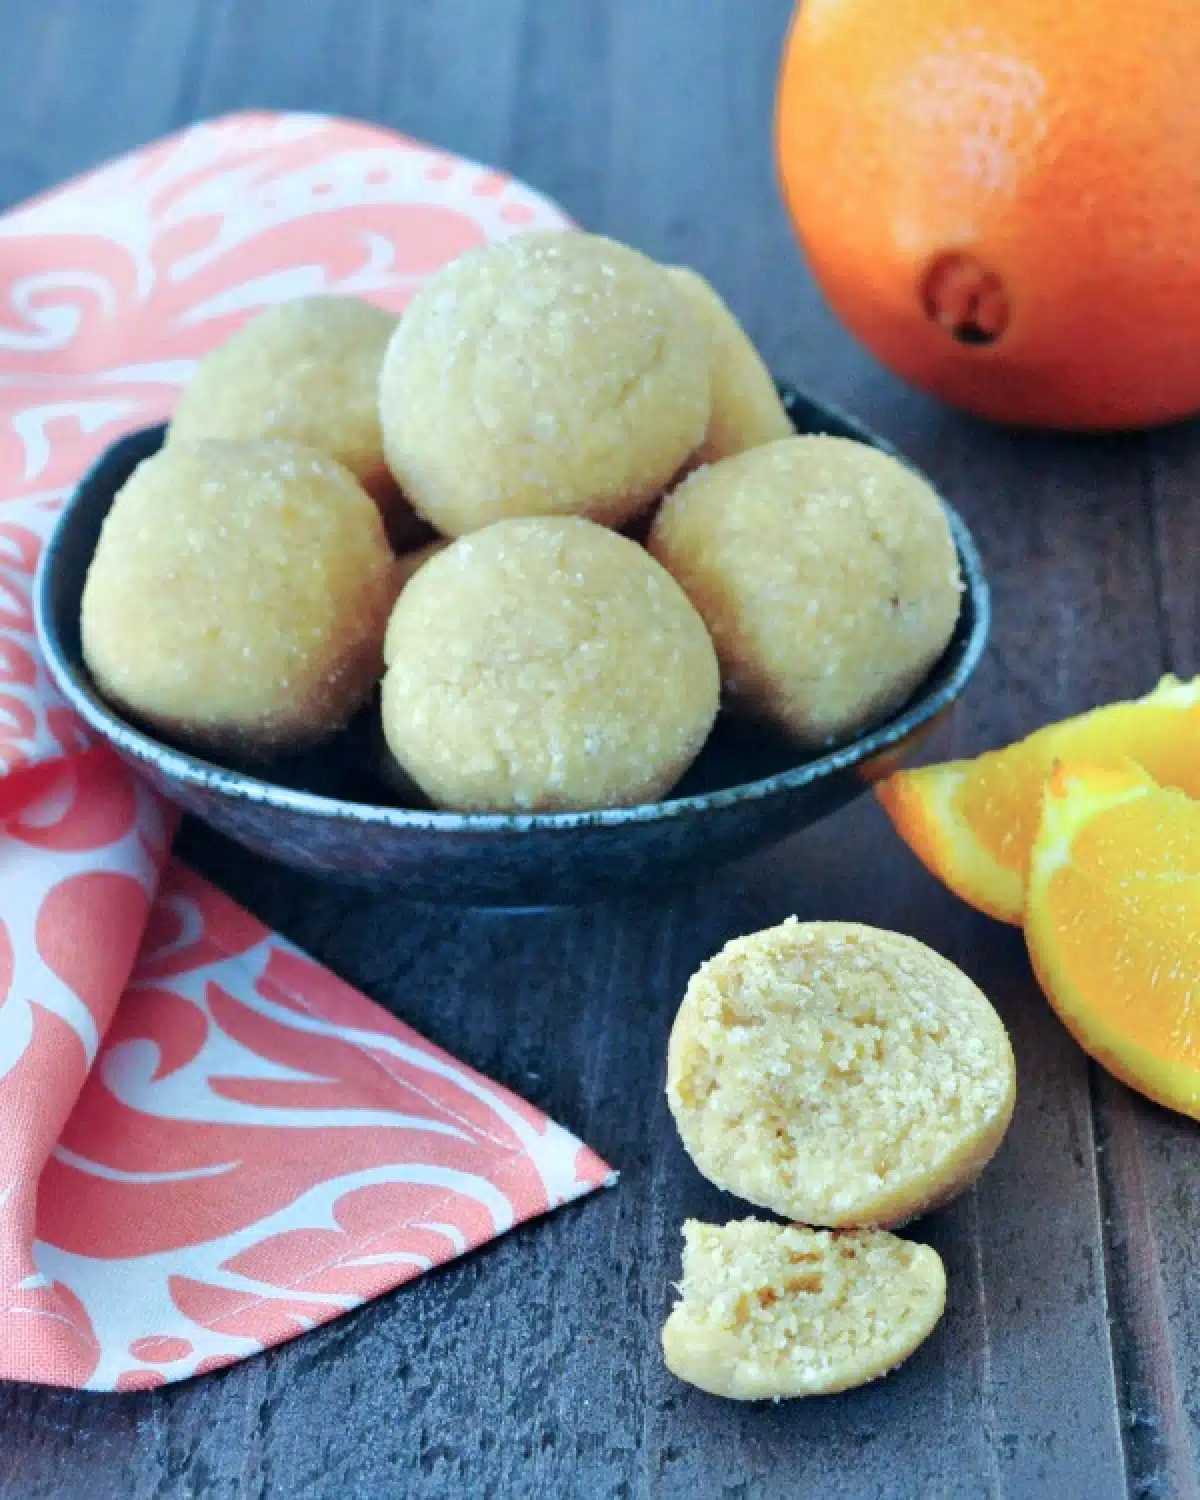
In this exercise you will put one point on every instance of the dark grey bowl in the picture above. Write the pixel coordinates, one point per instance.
(331, 811)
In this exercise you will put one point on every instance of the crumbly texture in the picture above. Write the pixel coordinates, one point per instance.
(306, 371)
(746, 409)
(553, 373)
(838, 1074)
(773, 1310)
(827, 574)
(238, 595)
(546, 664)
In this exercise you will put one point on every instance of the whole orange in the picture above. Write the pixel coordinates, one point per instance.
(1001, 198)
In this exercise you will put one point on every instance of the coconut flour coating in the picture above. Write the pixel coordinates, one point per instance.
(546, 664)
(772, 1310)
(827, 574)
(550, 374)
(746, 409)
(306, 371)
(838, 1074)
(406, 566)
(238, 595)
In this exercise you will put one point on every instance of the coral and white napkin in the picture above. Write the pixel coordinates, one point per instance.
(208, 1143)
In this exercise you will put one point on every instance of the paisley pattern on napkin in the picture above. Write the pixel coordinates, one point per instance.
(208, 1143)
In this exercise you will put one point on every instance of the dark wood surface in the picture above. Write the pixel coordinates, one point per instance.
(1068, 1364)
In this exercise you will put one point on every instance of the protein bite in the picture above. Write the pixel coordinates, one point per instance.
(827, 574)
(550, 374)
(768, 1311)
(306, 371)
(837, 1074)
(746, 409)
(238, 595)
(546, 664)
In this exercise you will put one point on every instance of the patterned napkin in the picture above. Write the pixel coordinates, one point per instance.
(243, 1147)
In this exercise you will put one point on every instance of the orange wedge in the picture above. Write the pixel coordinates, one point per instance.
(1112, 920)
(972, 822)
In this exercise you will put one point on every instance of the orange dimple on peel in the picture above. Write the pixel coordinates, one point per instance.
(972, 822)
(1112, 922)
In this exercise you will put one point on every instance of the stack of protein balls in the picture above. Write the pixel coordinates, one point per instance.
(463, 494)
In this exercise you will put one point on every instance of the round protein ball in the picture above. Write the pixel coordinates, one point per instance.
(545, 665)
(772, 1311)
(838, 1075)
(557, 373)
(827, 574)
(746, 407)
(238, 596)
(305, 371)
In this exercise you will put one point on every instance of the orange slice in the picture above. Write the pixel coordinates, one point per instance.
(972, 822)
(1112, 922)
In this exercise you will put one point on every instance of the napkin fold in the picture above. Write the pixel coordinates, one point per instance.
(208, 1143)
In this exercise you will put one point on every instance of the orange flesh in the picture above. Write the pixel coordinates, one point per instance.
(999, 799)
(1125, 917)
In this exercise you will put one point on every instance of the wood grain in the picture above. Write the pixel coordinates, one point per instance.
(1069, 1358)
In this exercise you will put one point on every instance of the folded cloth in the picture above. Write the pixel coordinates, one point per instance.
(208, 1143)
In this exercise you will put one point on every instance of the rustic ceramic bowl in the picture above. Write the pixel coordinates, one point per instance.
(330, 811)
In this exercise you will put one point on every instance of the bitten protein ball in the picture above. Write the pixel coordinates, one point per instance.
(546, 664)
(827, 574)
(238, 595)
(550, 374)
(305, 371)
(838, 1074)
(746, 409)
(771, 1311)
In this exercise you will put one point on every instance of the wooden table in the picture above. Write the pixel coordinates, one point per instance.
(1068, 1363)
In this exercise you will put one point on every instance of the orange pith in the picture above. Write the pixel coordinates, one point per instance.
(1112, 923)
(1000, 199)
(972, 822)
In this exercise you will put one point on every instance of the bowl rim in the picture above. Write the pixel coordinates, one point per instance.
(183, 767)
